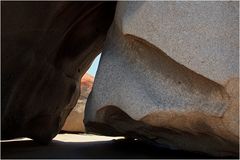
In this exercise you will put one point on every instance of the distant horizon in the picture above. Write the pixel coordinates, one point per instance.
(93, 68)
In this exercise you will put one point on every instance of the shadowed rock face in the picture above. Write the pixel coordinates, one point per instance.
(46, 48)
(173, 78)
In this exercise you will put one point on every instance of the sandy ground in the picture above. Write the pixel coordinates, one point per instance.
(89, 146)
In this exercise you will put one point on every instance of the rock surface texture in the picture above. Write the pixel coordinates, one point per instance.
(46, 49)
(169, 74)
(74, 121)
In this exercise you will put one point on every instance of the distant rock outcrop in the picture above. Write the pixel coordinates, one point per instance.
(74, 121)
(86, 85)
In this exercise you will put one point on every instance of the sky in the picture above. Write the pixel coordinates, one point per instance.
(93, 68)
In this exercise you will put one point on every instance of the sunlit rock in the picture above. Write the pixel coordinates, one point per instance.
(169, 74)
(74, 121)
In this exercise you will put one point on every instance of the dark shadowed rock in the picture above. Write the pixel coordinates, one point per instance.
(46, 48)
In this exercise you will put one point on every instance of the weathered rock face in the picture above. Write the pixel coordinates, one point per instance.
(169, 74)
(74, 121)
(46, 48)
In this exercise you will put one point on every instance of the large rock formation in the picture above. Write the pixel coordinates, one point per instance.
(74, 121)
(169, 74)
(46, 49)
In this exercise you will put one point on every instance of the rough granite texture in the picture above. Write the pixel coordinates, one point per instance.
(173, 66)
(203, 36)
